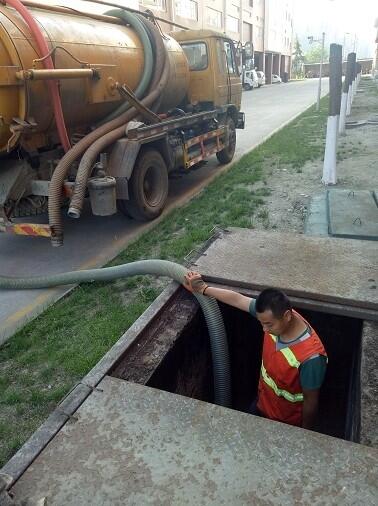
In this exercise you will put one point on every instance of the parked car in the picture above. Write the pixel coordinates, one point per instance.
(276, 79)
(250, 79)
(260, 77)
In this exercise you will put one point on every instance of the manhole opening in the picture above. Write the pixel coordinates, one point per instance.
(185, 367)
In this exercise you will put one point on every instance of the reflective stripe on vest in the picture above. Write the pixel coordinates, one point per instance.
(278, 391)
(290, 357)
(288, 354)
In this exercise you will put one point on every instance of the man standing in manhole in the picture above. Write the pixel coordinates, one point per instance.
(294, 360)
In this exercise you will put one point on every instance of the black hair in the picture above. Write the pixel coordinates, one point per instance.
(273, 299)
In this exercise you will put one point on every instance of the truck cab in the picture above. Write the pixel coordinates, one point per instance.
(214, 74)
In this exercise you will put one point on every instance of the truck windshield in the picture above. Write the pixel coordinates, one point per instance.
(196, 53)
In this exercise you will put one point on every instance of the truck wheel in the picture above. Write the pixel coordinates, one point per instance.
(247, 87)
(148, 188)
(227, 154)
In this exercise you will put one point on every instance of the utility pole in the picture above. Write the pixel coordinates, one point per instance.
(355, 43)
(344, 44)
(320, 74)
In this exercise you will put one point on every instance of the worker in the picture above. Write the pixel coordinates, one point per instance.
(294, 360)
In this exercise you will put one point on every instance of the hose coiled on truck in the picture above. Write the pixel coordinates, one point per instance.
(209, 306)
(140, 28)
(60, 172)
(162, 69)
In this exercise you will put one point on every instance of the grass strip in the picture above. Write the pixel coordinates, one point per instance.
(42, 362)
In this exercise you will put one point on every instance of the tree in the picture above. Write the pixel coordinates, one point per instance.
(314, 54)
(298, 60)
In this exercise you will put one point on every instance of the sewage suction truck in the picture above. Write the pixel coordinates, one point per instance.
(106, 107)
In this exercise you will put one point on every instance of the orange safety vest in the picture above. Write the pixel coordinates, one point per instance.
(280, 395)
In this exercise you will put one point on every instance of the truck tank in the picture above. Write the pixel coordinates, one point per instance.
(80, 41)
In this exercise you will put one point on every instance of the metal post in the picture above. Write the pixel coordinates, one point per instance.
(320, 74)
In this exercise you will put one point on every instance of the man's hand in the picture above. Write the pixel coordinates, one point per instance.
(194, 282)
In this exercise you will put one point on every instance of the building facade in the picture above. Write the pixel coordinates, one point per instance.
(264, 24)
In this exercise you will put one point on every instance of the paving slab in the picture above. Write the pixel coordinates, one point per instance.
(317, 218)
(343, 271)
(353, 214)
(134, 445)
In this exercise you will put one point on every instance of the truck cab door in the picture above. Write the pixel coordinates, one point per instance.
(228, 82)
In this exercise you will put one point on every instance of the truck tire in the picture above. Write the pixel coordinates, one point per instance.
(148, 187)
(227, 154)
(247, 87)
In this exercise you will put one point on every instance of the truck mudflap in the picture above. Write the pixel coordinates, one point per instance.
(33, 229)
(240, 123)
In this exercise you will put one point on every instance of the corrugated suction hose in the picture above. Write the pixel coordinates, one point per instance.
(210, 308)
(135, 22)
(60, 172)
(52, 85)
(157, 85)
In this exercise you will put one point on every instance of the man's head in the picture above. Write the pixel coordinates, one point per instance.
(273, 310)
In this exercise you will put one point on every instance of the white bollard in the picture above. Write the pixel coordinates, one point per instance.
(335, 81)
(343, 110)
(349, 101)
(354, 85)
(330, 154)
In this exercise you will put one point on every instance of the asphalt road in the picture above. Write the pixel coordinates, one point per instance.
(92, 241)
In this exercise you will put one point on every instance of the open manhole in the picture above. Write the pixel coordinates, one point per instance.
(150, 445)
(183, 365)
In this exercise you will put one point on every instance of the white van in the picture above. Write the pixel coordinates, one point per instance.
(260, 77)
(250, 80)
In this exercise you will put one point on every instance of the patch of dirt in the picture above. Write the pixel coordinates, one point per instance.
(291, 189)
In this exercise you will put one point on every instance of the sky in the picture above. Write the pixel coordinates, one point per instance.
(341, 20)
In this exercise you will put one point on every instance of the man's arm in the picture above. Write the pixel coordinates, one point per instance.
(195, 283)
(310, 408)
(312, 373)
(229, 297)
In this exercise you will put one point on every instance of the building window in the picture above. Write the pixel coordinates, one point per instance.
(196, 53)
(187, 9)
(232, 24)
(213, 18)
(160, 5)
(250, 3)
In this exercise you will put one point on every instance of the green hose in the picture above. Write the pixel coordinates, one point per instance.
(210, 308)
(134, 21)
